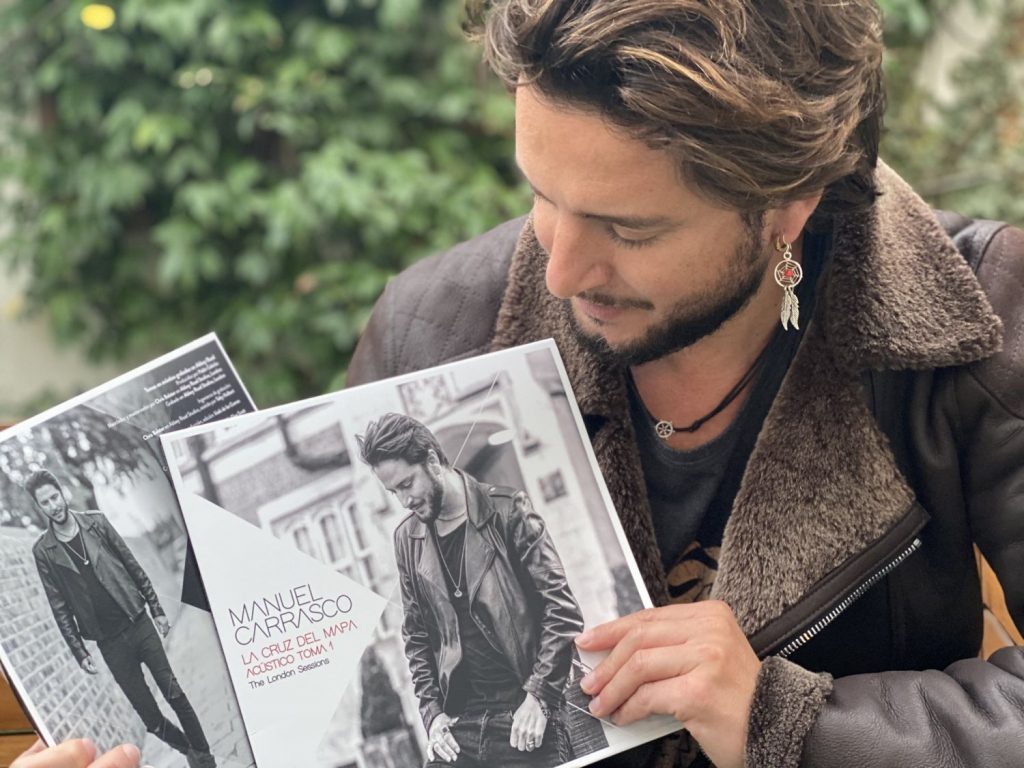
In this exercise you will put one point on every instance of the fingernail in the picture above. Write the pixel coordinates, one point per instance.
(132, 752)
(584, 638)
(587, 683)
(91, 746)
(595, 705)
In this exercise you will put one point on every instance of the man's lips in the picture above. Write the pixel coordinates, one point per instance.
(602, 313)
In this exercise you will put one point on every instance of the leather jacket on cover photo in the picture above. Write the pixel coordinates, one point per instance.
(518, 597)
(115, 567)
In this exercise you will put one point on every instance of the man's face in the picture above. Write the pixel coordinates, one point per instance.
(50, 499)
(417, 488)
(646, 266)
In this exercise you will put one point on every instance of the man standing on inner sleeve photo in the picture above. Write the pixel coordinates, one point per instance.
(489, 617)
(98, 591)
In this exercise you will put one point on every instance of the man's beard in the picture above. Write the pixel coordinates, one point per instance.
(60, 517)
(432, 509)
(688, 321)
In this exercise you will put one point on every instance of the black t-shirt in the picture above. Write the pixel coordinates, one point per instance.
(110, 617)
(484, 679)
(691, 492)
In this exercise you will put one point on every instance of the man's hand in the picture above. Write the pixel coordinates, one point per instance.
(89, 665)
(441, 744)
(528, 724)
(163, 626)
(79, 753)
(689, 661)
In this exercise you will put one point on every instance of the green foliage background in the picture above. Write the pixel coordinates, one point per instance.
(966, 154)
(262, 167)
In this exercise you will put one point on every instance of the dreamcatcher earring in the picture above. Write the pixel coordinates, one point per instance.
(788, 275)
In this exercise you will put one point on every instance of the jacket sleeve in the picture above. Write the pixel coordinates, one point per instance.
(971, 713)
(561, 619)
(142, 583)
(373, 358)
(440, 309)
(59, 605)
(422, 667)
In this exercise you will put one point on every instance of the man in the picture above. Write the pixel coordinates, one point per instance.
(703, 171)
(98, 591)
(489, 617)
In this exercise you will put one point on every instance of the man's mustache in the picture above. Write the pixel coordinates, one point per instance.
(604, 300)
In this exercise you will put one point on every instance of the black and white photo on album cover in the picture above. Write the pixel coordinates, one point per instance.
(468, 497)
(101, 631)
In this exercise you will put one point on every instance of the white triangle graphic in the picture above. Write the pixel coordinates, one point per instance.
(287, 702)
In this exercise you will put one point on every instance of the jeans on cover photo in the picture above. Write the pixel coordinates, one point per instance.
(483, 740)
(125, 654)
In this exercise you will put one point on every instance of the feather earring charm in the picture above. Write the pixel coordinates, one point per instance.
(788, 275)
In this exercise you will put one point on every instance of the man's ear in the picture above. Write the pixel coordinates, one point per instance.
(35, 499)
(789, 220)
(433, 462)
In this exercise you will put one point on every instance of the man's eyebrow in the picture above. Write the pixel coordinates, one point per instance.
(627, 222)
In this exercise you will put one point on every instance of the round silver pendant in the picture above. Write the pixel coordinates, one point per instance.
(458, 592)
(664, 429)
(788, 273)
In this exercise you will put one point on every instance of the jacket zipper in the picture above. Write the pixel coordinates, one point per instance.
(808, 634)
(841, 588)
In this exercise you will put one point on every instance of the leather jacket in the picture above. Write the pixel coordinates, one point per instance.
(115, 567)
(894, 445)
(518, 597)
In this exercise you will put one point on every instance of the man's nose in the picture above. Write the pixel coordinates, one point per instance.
(574, 266)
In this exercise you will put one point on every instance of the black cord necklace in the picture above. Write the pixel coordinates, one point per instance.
(665, 429)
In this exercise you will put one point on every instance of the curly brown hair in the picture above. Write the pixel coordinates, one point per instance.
(763, 103)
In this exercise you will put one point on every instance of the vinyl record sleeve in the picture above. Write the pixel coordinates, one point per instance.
(357, 599)
(153, 652)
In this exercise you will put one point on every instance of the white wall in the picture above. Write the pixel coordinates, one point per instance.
(30, 360)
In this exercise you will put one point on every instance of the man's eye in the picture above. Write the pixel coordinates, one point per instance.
(630, 238)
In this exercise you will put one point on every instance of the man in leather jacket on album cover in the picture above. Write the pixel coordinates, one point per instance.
(489, 617)
(98, 591)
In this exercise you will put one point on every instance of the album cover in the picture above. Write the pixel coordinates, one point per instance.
(398, 571)
(104, 628)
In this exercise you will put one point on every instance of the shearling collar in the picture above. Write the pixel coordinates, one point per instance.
(900, 295)
(821, 484)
